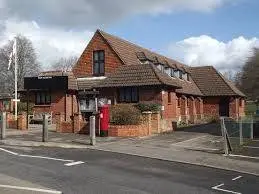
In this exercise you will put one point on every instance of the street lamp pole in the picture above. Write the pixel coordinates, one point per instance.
(15, 80)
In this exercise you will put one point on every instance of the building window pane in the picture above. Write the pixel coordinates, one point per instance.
(42, 98)
(172, 73)
(134, 95)
(128, 95)
(168, 71)
(98, 63)
(188, 77)
(180, 74)
(96, 68)
(101, 68)
(121, 95)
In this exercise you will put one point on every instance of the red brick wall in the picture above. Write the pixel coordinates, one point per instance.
(242, 107)
(149, 94)
(58, 104)
(234, 108)
(211, 106)
(83, 68)
(170, 111)
(128, 130)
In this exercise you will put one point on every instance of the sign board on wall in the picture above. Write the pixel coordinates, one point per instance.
(48, 83)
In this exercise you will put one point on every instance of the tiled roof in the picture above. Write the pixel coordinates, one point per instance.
(87, 84)
(72, 84)
(138, 75)
(188, 87)
(129, 53)
(5, 96)
(212, 83)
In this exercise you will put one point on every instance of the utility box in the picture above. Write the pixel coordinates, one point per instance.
(104, 120)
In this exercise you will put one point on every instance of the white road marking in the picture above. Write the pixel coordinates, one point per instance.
(238, 177)
(44, 157)
(74, 163)
(189, 140)
(10, 152)
(70, 162)
(31, 189)
(253, 147)
(224, 190)
(242, 156)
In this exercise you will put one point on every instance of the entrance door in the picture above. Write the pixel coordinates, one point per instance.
(224, 107)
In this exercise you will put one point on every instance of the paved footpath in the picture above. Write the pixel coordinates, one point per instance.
(80, 171)
(179, 154)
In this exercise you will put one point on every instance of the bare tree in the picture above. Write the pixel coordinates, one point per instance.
(249, 79)
(64, 64)
(27, 63)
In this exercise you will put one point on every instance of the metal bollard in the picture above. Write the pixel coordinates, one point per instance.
(92, 130)
(241, 132)
(45, 129)
(252, 129)
(3, 125)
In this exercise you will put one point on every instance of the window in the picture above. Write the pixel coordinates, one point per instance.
(185, 76)
(188, 77)
(180, 74)
(168, 71)
(160, 67)
(43, 98)
(176, 73)
(98, 63)
(172, 73)
(129, 95)
(169, 97)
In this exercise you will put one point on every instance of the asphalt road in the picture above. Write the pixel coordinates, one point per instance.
(106, 172)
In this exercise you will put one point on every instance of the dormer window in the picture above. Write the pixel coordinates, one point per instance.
(180, 74)
(160, 67)
(185, 76)
(188, 77)
(168, 71)
(172, 72)
(176, 73)
(98, 63)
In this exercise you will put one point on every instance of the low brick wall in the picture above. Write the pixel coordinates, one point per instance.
(20, 123)
(75, 125)
(128, 130)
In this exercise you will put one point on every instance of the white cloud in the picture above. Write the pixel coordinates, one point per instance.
(81, 13)
(205, 50)
(50, 43)
(48, 23)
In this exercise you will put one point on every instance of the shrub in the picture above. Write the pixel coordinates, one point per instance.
(125, 114)
(153, 107)
(211, 119)
(22, 107)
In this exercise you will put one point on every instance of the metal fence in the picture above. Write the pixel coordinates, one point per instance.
(236, 132)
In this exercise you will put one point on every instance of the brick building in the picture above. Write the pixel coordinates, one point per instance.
(6, 103)
(123, 72)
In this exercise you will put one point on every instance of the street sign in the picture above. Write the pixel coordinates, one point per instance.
(14, 100)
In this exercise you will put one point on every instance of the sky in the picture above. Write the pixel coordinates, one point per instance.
(221, 33)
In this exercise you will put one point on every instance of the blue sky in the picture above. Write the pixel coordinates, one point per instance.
(221, 33)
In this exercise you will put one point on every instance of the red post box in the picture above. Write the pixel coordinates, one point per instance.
(104, 120)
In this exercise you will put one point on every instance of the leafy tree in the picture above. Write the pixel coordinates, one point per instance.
(64, 64)
(27, 63)
(249, 79)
